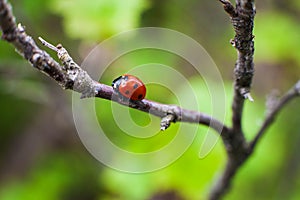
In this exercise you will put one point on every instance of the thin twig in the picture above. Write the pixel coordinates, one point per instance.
(77, 79)
(47, 44)
(71, 76)
(291, 94)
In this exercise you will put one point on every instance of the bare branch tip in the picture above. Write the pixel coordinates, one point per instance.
(245, 93)
(47, 44)
(249, 97)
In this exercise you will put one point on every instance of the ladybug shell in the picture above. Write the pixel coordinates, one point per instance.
(129, 87)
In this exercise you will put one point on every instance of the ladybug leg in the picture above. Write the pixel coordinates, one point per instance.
(122, 99)
(117, 97)
(125, 100)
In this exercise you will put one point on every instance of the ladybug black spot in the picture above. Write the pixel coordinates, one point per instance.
(127, 92)
(135, 86)
(140, 96)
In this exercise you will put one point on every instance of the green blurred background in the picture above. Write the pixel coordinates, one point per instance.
(41, 155)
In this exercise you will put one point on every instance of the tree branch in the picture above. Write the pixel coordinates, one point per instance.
(71, 76)
(242, 17)
(244, 68)
(239, 156)
(273, 112)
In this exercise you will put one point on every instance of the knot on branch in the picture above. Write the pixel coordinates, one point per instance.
(166, 121)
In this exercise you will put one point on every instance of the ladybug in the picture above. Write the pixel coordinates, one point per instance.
(129, 87)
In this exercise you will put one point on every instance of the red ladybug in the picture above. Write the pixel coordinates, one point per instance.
(129, 87)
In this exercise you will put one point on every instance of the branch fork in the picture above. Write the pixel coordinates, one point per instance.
(76, 78)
